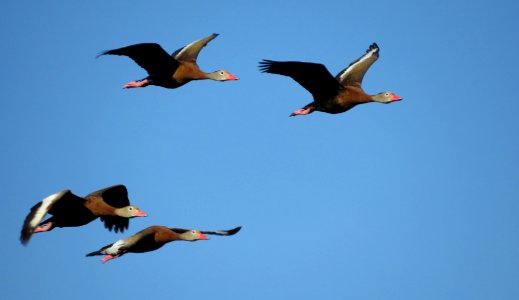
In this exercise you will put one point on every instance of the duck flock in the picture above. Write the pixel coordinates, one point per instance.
(112, 206)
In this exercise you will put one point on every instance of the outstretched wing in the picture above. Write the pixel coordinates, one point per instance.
(313, 77)
(149, 56)
(223, 232)
(116, 195)
(354, 73)
(59, 203)
(214, 232)
(190, 52)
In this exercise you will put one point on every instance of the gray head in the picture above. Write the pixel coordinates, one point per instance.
(193, 235)
(130, 211)
(386, 97)
(221, 75)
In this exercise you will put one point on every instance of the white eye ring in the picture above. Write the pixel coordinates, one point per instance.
(221, 72)
(387, 94)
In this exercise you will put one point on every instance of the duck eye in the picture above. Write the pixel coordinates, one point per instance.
(221, 72)
(387, 94)
(130, 208)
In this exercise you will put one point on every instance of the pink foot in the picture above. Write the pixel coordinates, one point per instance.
(108, 257)
(44, 227)
(136, 84)
(302, 111)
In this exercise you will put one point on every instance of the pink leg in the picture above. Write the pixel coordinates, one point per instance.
(44, 227)
(109, 257)
(302, 111)
(136, 84)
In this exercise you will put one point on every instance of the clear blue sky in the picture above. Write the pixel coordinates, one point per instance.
(414, 200)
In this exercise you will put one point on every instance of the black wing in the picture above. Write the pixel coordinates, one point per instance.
(118, 224)
(313, 77)
(223, 232)
(150, 56)
(115, 196)
(214, 232)
(59, 204)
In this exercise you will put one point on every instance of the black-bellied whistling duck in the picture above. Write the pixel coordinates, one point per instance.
(169, 71)
(68, 210)
(154, 237)
(331, 95)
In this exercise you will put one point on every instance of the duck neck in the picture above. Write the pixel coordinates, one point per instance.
(213, 75)
(378, 98)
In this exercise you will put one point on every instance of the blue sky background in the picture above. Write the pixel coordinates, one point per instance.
(413, 200)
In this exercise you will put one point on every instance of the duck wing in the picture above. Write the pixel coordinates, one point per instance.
(354, 73)
(190, 52)
(312, 76)
(149, 56)
(58, 204)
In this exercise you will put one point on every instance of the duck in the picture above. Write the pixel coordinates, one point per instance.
(153, 238)
(331, 95)
(169, 71)
(110, 204)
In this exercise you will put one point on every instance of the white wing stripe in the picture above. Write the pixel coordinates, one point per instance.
(115, 248)
(360, 60)
(184, 49)
(44, 208)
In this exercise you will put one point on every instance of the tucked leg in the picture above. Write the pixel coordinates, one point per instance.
(136, 84)
(109, 257)
(44, 227)
(302, 111)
